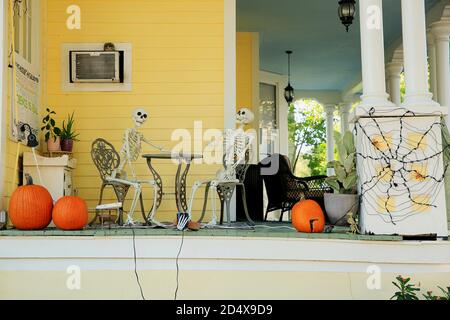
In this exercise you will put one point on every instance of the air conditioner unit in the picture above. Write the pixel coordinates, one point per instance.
(96, 66)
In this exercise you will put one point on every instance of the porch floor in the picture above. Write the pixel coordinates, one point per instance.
(261, 230)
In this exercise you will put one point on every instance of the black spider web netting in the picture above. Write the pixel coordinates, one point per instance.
(405, 163)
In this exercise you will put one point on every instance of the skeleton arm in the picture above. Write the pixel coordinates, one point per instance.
(153, 145)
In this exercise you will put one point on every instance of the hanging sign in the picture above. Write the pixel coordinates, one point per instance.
(25, 115)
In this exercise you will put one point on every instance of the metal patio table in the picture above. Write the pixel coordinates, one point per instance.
(180, 178)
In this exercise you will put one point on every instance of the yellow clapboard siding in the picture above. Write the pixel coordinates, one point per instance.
(150, 89)
(168, 65)
(117, 135)
(178, 59)
(244, 70)
(89, 170)
(131, 7)
(192, 41)
(208, 55)
(120, 123)
(161, 76)
(84, 112)
(156, 100)
(143, 17)
(85, 158)
(94, 28)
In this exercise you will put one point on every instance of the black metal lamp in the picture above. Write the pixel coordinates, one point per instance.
(346, 10)
(289, 91)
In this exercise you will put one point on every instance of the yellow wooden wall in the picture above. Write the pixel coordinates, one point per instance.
(244, 69)
(247, 72)
(178, 71)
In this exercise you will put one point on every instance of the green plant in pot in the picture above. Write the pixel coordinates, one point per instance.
(52, 132)
(344, 183)
(68, 134)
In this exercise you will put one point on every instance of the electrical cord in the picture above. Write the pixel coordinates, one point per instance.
(135, 265)
(177, 265)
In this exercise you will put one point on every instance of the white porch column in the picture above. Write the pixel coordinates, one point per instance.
(432, 62)
(415, 54)
(344, 110)
(394, 69)
(372, 54)
(441, 32)
(329, 113)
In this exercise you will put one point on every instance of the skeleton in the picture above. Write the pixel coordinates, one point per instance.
(129, 153)
(353, 225)
(237, 146)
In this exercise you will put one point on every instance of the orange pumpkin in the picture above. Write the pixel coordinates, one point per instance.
(70, 213)
(308, 217)
(30, 207)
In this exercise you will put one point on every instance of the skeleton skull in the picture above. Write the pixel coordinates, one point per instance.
(244, 116)
(139, 117)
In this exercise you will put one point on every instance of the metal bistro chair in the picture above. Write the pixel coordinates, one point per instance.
(236, 157)
(225, 192)
(284, 189)
(106, 159)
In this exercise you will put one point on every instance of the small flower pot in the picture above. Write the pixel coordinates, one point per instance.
(67, 145)
(54, 145)
(338, 205)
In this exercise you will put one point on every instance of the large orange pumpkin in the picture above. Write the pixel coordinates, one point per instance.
(70, 213)
(308, 217)
(30, 207)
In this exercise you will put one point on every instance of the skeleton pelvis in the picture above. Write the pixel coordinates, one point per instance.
(122, 174)
(226, 174)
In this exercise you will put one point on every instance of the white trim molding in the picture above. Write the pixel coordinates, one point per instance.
(223, 253)
(229, 93)
(229, 64)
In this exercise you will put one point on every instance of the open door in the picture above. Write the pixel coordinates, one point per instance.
(272, 115)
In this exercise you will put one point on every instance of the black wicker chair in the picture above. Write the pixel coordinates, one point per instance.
(284, 189)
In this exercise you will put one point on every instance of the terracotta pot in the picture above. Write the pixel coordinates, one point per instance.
(67, 145)
(54, 144)
(338, 205)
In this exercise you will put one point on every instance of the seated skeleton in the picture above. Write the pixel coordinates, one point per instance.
(129, 153)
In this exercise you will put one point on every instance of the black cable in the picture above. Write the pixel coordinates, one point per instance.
(135, 265)
(177, 265)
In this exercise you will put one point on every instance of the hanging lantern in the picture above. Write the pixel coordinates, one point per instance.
(346, 12)
(289, 91)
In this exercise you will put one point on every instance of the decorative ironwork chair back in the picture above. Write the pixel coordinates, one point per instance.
(105, 157)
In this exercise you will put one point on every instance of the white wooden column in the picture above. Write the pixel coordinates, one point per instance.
(415, 54)
(441, 32)
(432, 62)
(372, 54)
(344, 110)
(329, 114)
(393, 70)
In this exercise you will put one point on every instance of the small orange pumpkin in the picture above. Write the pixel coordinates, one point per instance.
(30, 207)
(308, 217)
(70, 213)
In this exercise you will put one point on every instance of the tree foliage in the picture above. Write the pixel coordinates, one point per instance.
(307, 134)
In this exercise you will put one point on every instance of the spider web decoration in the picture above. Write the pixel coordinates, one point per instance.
(403, 169)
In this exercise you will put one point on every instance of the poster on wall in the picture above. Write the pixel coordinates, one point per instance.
(25, 116)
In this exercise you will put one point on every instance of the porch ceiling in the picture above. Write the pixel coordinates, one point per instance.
(325, 56)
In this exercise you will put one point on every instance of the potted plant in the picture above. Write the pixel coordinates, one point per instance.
(68, 135)
(52, 132)
(345, 198)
